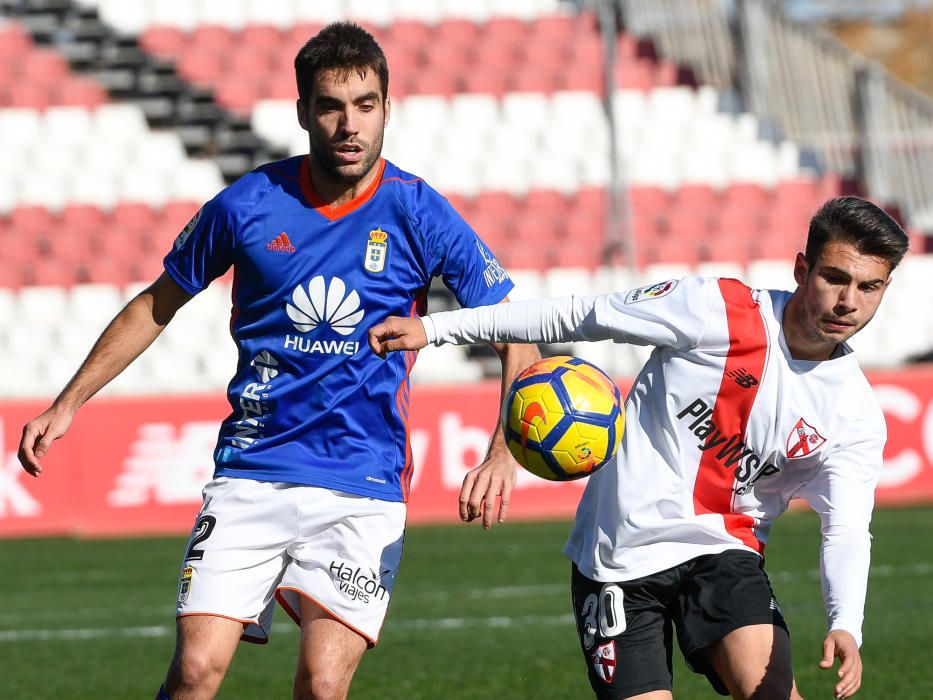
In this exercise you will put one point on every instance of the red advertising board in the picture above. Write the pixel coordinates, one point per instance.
(136, 465)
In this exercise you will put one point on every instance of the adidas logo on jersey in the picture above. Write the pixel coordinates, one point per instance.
(280, 244)
(328, 305)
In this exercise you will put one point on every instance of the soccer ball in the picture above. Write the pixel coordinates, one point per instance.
(563, 418)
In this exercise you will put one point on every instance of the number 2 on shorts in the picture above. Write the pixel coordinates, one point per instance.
(202, 530)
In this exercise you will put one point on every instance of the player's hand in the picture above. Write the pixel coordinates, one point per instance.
(493, 479)
(840, 644)
(397, 333)
(38, 435)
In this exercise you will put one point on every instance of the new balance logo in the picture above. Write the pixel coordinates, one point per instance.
(743, 378)
(280, 244)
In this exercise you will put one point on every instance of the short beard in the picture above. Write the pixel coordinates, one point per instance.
(346, 174)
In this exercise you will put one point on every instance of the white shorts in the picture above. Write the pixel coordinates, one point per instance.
(255, 542)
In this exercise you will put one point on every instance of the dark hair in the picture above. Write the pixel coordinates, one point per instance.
(860, 223)
(344, 46)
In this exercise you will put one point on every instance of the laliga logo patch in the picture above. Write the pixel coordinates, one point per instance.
(803, 439)
(651, 291)
(376, 250)
(186, 231)
(604, 661)
(184, 585)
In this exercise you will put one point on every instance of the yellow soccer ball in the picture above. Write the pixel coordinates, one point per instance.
(563, 418)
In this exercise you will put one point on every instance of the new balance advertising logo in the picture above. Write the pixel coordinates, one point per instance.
(324, 305)
(280, 244)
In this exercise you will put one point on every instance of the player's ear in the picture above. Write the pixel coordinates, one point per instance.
(388, 110)
(801, 268)
(302, 114)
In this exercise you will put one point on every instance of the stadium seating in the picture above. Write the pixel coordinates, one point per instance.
(499, 104)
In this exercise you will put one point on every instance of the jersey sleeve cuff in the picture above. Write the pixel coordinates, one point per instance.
(430, 331)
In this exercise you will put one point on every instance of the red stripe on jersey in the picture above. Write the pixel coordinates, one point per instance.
(748, 351)
(418, 307)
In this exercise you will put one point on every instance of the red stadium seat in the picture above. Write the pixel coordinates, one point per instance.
(585, 228)
(203, 65)
(527, 78)
(457, 31)
(297, 37)
(546, 55)
(44, 65)
(166, 42)
(558, 29)
(545, 203)
(687, 224)
(432, 82)
(669, 249)
(797, 193)
(28, 220)
(262, 37)
(646, 199)
(131, 216)
(403, 33)
(725, 248)
(49, 272)
(210, 37)
(32, 95)
(593, 199)
(697, 197)
(82, 217)
(238, 93)
(500, 204)
(486, 82)
(635, 75)
(80, 91)
(738, 220)
(14, 41)
(504, 29)
(745, 195)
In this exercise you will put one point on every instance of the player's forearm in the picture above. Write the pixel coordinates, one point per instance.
(515, 357)
(540, 321)
(125, 338)
(845, 557)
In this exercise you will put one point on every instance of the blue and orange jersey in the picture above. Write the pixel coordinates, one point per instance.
(311, 403)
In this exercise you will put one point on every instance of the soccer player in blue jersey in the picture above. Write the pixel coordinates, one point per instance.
(313, 464)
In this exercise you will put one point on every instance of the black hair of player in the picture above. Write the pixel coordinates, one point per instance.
(858, 222)
(342, 46)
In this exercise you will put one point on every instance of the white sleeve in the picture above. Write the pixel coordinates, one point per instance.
(843, 494)
(675, 316)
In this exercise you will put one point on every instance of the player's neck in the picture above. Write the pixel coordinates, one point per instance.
(335, 192)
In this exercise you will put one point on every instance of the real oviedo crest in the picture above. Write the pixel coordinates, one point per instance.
(376, 251)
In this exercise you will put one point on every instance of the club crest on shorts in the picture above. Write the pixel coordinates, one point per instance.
(604, 661)
(184, 585)
(651, 291)
(376, 250)
(803, 439)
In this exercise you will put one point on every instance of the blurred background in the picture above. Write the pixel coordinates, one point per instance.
(596, 146)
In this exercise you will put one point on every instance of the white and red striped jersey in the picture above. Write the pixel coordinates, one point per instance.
(723, 429)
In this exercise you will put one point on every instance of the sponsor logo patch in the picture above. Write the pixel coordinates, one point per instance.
(376, 250)
(651, 291)
(730, 451)
(359, 584)
(743, 377)
(184, 584)
(331, 305)
(280, 244)
(493, 273)
(266, 366)
(803, 439)
(603, 659)
(186, 231)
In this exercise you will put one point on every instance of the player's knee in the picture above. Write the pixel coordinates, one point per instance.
(323, 685)
(196, 669)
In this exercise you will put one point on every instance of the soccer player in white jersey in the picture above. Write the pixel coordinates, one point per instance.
(313, 465)
(749, 399)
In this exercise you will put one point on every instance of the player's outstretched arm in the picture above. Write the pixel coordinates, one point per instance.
(397, 333)
(841, 645)
(496, 476)
(128, 335)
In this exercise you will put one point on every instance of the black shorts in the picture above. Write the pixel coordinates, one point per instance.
(625, 628)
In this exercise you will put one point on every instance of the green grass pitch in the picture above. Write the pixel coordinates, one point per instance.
(475, 615)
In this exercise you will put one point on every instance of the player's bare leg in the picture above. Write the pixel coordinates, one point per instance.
(754, 663)
(330, 652)
(204, 648)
